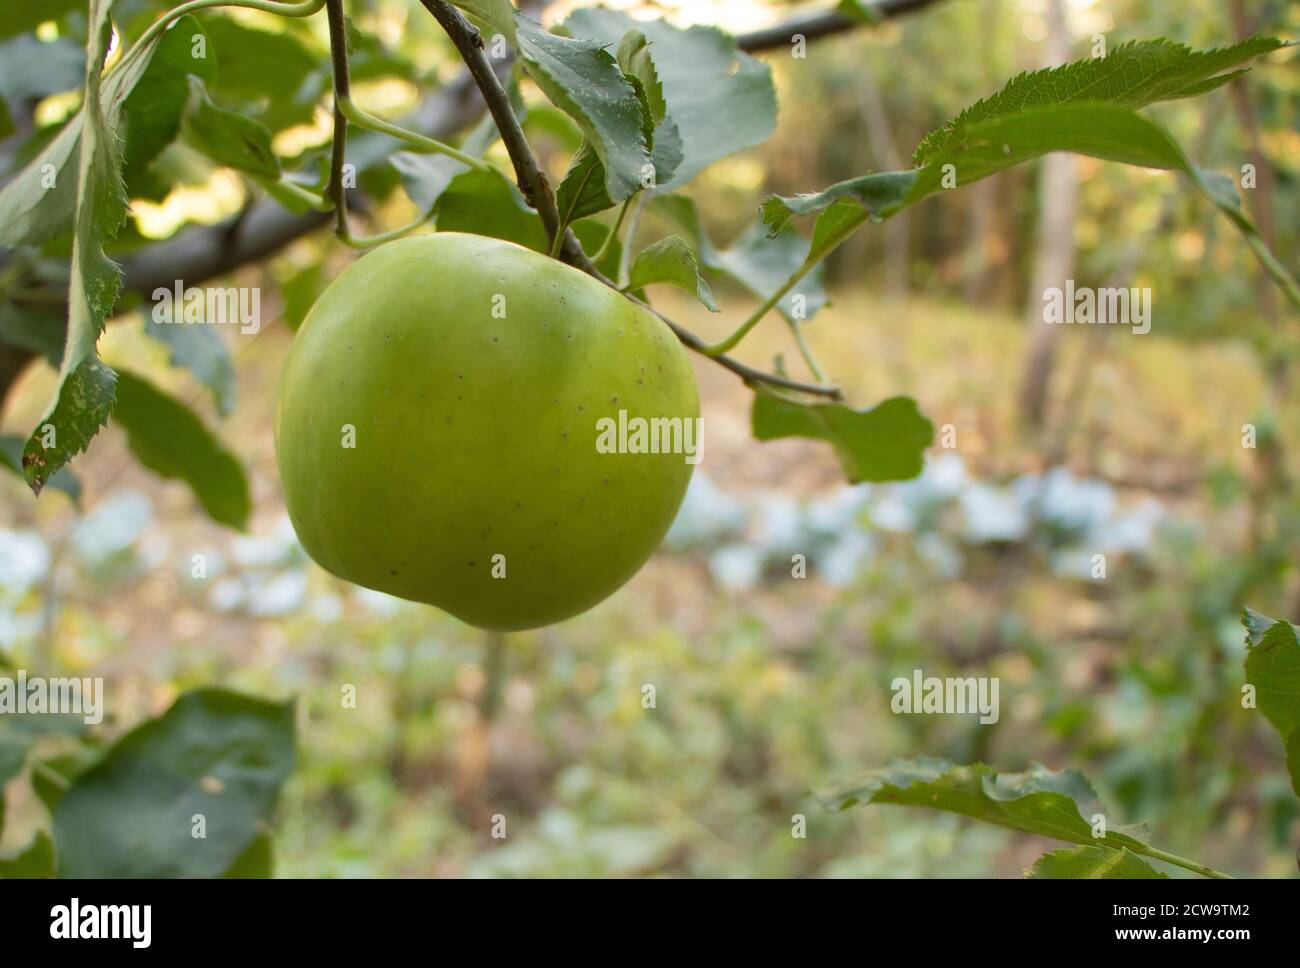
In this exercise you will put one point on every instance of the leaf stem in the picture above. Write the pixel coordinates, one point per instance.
(364, 119)
(613, 232)
(1183, 862)
(729, 342)
(303, 9)
(625, 258)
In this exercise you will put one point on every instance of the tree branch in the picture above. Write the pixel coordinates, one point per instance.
(814, 25)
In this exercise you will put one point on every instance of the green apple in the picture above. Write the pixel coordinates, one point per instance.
(468, 423)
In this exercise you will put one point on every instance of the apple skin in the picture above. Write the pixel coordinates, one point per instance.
(476, 436)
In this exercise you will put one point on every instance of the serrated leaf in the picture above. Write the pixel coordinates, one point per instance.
(583, 79)
(11, 458)
(199, 349)
(1039, 801)
(216, 754)
(85, 391)
(671, 260)
(169, 439)
(721, 99)
(34, 860)
(884, 443)
(1086, 108)
(1092, 863)
(1133, 74)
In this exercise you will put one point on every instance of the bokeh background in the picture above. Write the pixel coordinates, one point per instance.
(769, 689)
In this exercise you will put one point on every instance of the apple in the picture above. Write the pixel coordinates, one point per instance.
(464, 422)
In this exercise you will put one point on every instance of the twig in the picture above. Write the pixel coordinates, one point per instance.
(812, 26)
(533, 183)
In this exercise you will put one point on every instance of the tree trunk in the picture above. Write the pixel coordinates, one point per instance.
(1058, 202)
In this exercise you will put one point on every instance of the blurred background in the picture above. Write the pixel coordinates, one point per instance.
(1070, 441)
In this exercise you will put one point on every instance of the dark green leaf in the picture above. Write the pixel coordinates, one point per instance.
(581, 78)
(215, 754)
(721, 99)
(167, 437)
(1273, 668)
(154, 108)
(257, 860)
(274, 74)
(885, 443)
(1092, 863)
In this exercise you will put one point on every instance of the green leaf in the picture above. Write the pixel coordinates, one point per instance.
(85, 391)
(11, 458)
(272, 74)
(863, 13)
(201, 350)
(214, 754)
(169, 439)
(1039, 801)
(34, 860)
(488, 203)
(671, 260)
(496, 15)
(884, 443)
(721, 99)
(154, 108)
(1092, 863)
(228, 137)
(1087, 107)
(582, 79)
(1134, 75)
(1273, 668)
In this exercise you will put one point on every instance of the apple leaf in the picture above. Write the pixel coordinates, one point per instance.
(1039, 801)
(85, 390)
(1092, 863)
(673, 261)
(11, 458)
(884, 443)
(215, 754)
(721, 99)
(1087, 107)
(169, 439)
(1273, 668)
